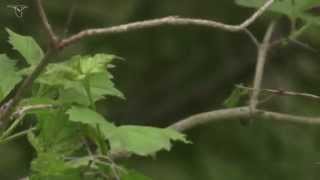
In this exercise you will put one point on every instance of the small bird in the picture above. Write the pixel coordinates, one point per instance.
(18, 9)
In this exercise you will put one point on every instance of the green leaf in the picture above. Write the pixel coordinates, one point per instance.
(134, 175)
(26, 46)
(234, 99)
(290, 8)
(142, 140)
(56, 133)
(9, 75)
(73, 77)
(59, 74)
(80, 162)
(101, 85)
(74, 95)
(51, 166)
(91, 118)
(95, 64)
(34, 142)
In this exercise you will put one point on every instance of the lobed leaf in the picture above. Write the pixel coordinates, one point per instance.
(142, 140)
(56, 133)
(52, 166)
(26, 46)
(91, 118)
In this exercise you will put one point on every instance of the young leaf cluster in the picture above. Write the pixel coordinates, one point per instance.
(71, 139)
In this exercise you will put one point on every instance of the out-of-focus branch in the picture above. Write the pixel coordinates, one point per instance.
(171, 20)
(69, 18)
(42, 14)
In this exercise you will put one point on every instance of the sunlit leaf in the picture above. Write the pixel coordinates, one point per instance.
(91, 118)
(26, 46)
(142, 140)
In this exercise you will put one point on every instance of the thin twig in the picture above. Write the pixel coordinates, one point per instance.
(27, 82)
(171, 20)
(252, 37)
(284, 92)
(24, 109)
(261, 60)
(53, 38)
(69, 18)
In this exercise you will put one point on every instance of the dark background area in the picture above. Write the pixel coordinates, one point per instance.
(173, 72)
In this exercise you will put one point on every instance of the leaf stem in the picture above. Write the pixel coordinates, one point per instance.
(12, 127)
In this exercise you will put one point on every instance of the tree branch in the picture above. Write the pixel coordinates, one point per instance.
(232, 114)
(53, 38)
(236, 114)
(5, 112)
(261, 60)
(171, 20)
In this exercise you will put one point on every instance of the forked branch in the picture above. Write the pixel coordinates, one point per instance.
(60, 44)
(166, 21)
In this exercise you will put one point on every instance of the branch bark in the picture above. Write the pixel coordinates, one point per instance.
(42, 14)
(261, 60)
(236, 114)
(166, 21)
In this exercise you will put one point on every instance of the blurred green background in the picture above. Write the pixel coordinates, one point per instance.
(173, 72)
